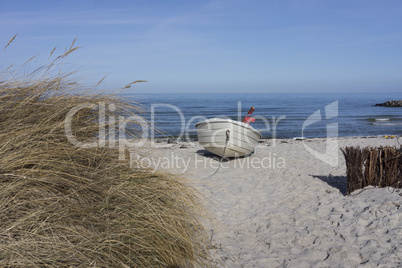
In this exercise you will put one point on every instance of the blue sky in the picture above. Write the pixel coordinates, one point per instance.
(215, 46)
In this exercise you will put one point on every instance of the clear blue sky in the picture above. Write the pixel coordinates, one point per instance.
(216, 46)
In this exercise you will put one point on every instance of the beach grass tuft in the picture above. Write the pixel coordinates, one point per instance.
(63, 205)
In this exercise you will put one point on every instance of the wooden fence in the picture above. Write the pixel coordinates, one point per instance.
(376, 166)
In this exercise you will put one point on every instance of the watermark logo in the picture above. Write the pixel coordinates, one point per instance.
(115, 139)
(113, 129)
(331, 149)
(183, 164)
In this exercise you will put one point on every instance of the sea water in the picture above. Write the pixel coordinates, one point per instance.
(277, 115)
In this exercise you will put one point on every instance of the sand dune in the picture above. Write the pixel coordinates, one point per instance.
(285, 207)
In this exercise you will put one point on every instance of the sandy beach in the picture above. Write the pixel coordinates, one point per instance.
(283, 206)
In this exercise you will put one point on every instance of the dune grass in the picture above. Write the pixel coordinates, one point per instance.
(66, 206)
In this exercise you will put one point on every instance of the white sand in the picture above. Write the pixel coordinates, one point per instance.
(284, 207)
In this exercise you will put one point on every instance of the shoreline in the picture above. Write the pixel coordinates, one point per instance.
(193, 138)
(291, 212)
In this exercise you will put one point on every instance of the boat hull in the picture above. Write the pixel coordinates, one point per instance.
(240, 140)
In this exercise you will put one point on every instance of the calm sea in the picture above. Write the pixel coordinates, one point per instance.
(277, 115)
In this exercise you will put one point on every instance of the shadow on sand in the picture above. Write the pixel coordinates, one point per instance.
(207, 154)
(338, 182)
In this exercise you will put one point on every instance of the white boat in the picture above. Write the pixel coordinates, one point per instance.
(226, 137)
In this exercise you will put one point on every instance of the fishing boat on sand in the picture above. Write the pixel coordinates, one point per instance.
(228, 138)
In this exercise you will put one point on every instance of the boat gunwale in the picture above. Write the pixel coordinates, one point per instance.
(227, 120)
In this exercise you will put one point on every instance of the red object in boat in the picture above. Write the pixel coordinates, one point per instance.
(249, 119)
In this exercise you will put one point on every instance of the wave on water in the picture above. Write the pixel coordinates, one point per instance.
(387, 124)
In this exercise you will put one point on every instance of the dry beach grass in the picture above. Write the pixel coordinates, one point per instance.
(66, 206)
